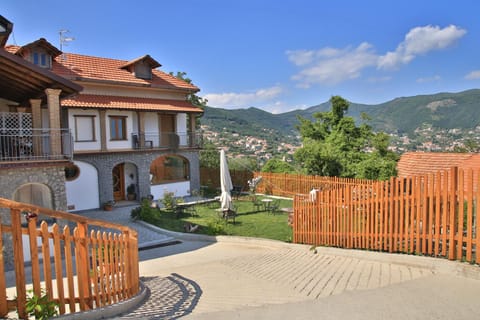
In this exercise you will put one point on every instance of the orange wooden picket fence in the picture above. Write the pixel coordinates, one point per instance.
(289, 185)
(434, 214)
(78, 269)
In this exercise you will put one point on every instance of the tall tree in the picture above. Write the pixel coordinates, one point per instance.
(333, 145)
(209, 156)
(192, 98)
(277, 165)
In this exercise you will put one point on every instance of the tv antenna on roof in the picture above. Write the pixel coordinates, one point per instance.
(64, 40)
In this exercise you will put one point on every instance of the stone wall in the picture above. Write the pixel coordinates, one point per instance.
(13, 178)
(52, 176)
(105, 162)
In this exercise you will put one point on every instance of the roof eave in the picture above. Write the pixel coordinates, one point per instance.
(133, 84)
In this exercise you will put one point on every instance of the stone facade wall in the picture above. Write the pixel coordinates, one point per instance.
(105, 162)
(13, 178)
(51, 176)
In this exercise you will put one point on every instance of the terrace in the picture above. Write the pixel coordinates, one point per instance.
(35, 144)
(169, 140)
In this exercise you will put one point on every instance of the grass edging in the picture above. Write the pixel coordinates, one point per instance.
(222, 238)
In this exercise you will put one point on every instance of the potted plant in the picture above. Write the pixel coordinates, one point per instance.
(108, 206)
(131, 195)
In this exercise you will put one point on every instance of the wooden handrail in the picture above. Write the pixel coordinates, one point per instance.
(104, 263)
(5, 203)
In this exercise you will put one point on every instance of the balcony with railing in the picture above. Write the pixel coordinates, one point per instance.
(166, 140)
(35, 145)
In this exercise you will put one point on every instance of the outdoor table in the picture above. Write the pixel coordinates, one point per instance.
(266, 203)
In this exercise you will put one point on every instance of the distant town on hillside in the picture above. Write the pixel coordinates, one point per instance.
(448, 122)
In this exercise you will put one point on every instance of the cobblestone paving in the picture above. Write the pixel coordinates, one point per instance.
(296, 270)
(320, 275)
(171, 297)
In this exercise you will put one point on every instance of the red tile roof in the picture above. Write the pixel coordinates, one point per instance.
(129, 103)
(417, 163)
(81, 67)
(420, 163)
(147, 58)
(76, 66)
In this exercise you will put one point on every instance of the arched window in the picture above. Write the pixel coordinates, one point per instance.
(168, 169)
(34, 193)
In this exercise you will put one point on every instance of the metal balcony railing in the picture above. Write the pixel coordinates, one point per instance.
(35, 144)
(169, 140)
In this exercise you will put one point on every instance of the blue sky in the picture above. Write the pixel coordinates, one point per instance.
(271, 54)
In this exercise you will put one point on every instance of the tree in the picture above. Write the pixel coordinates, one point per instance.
(333, 145)
(192, 98)
(209, 156)
(248, 163)
(276, 165)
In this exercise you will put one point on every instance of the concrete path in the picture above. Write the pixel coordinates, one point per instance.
(239, 278)
(121, 215)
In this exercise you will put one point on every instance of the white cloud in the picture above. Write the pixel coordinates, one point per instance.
(300, 57)
(429, 79)
(242, 100)
(331, 66)
(281, 107)
(475, 74)
(304, 57)
(420, 40)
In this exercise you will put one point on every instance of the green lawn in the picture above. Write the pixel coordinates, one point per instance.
(250, 221)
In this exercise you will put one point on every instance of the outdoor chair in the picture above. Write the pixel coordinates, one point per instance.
(258, 205)
(179, 211)
(237, 191)
(230, 214)
(274, 207)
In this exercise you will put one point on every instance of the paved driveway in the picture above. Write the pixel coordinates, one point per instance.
(238, 278)
(245, 279)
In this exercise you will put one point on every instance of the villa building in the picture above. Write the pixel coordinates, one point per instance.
(77, 131)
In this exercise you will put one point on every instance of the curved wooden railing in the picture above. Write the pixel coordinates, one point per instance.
(80, 263)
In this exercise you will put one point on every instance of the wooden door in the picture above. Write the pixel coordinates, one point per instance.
(118, 178)
(167, 126)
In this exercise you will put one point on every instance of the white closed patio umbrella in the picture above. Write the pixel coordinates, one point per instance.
(225, 183)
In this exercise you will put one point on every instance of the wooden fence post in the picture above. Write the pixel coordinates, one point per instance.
(3, 286)
(19, 262)
(453, 209)
(83, 265)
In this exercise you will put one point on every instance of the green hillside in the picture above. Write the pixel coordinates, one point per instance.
(443, 110)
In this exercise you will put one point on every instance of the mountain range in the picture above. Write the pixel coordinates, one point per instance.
(401, 115)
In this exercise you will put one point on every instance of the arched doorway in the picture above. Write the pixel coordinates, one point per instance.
(118, 180)
(124, 180)
(34, 193)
